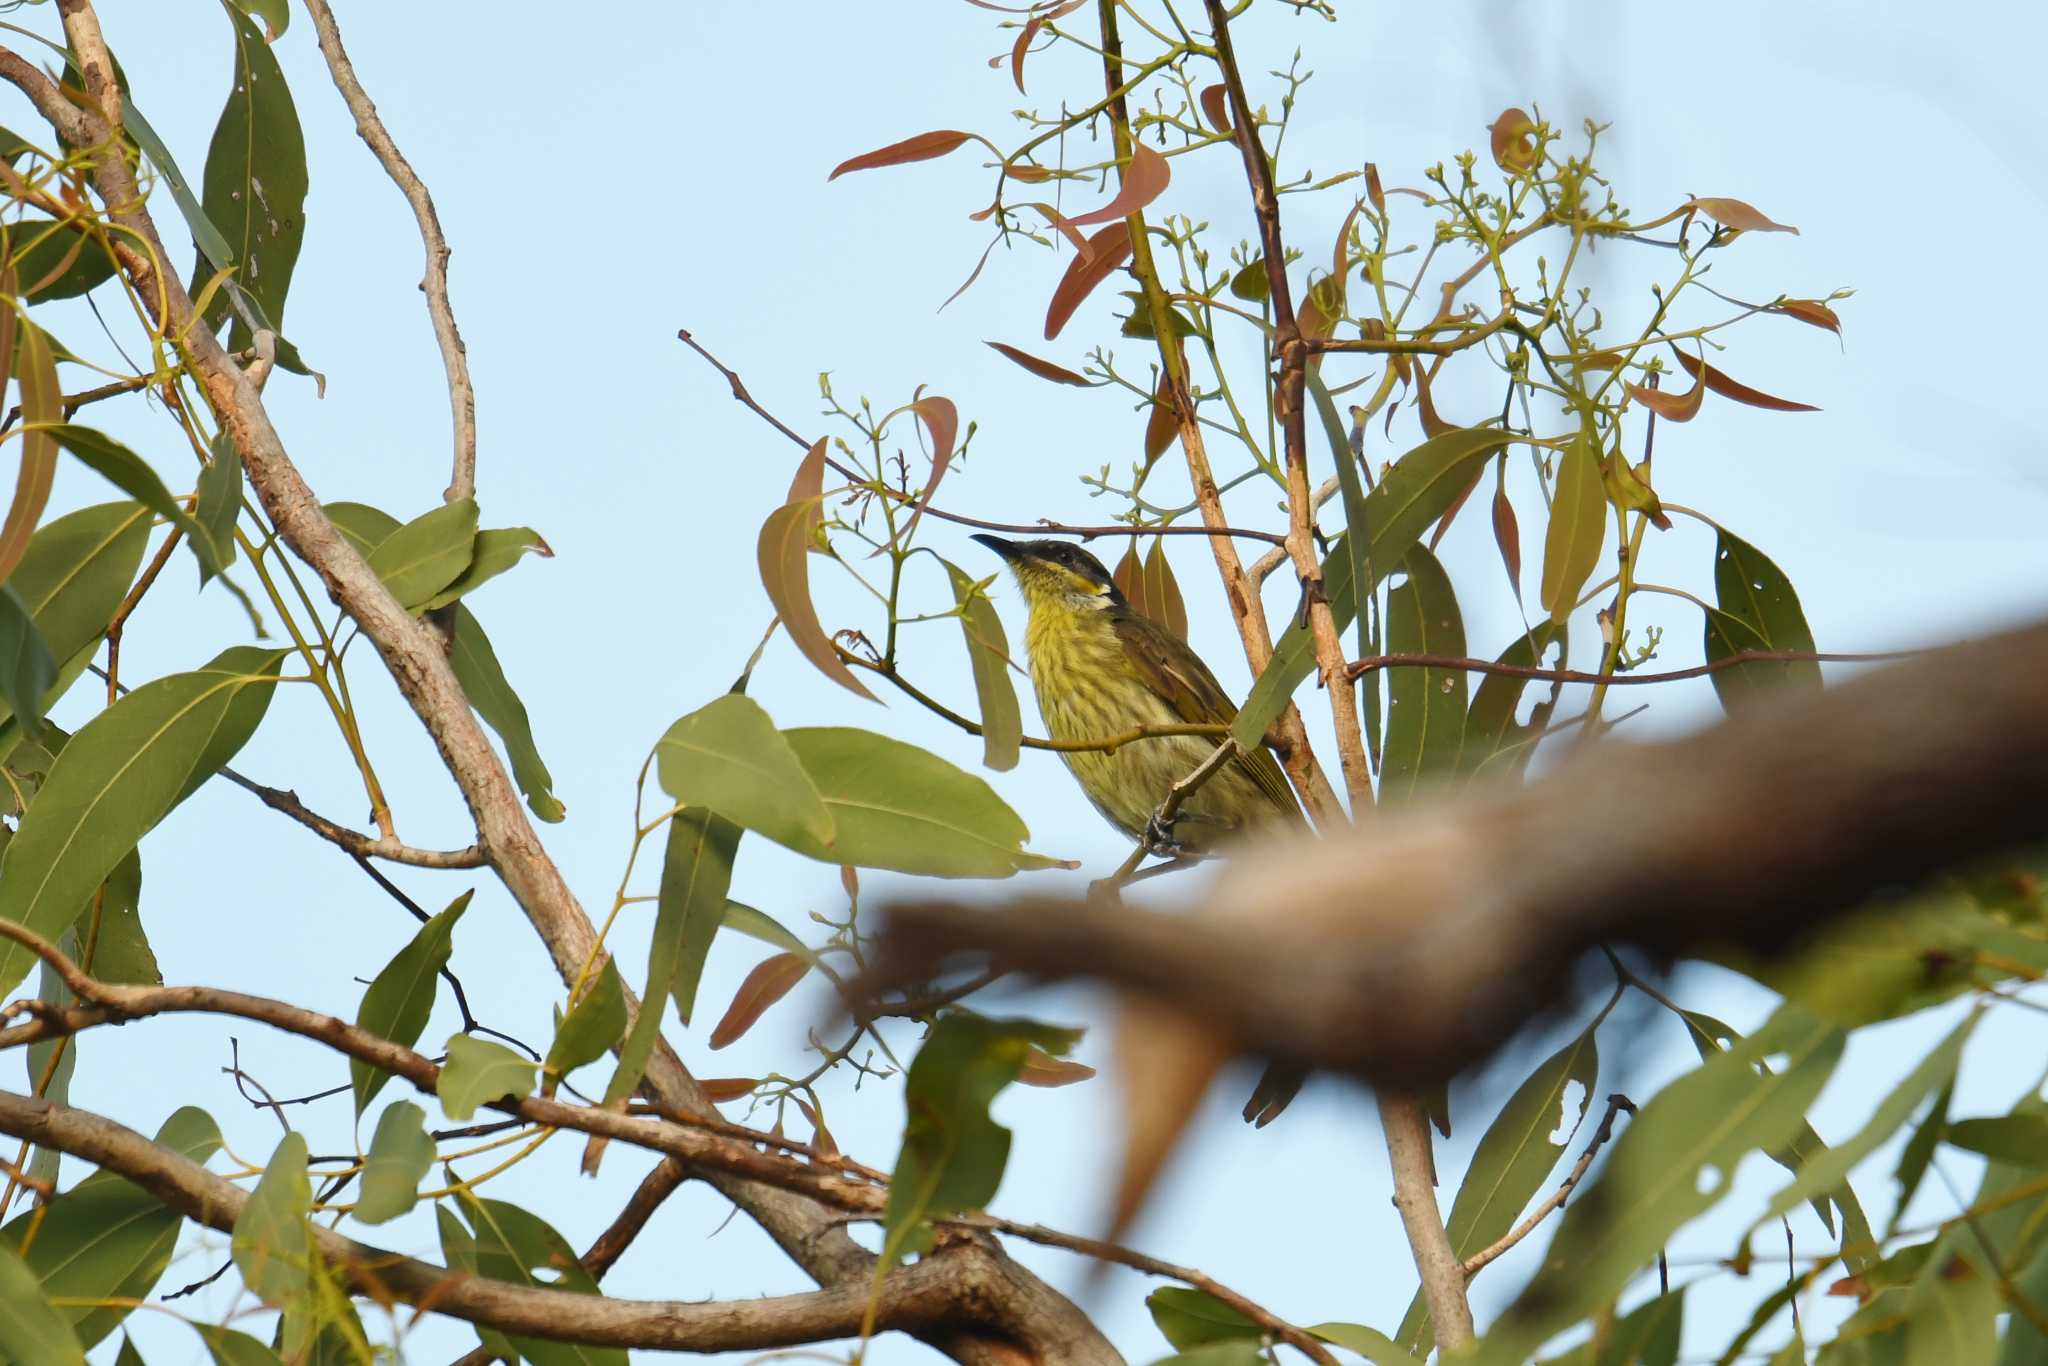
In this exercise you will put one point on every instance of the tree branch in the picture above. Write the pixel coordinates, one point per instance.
(1410, 950)
(454, 356)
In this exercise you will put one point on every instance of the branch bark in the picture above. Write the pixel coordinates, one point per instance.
(1045, 1325)
(1405, 952)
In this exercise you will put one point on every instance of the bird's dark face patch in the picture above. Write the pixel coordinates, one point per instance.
(1051, 568)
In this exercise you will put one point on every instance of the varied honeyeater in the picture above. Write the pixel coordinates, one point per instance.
(1101, 668)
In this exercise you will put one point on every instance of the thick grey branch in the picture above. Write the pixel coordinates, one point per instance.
(1407, 950)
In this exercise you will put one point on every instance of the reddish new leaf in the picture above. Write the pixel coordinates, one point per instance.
(1812, 312)
(1027, 172)
(1043, 1069)
(923, 147)
(781, 551)
(1373, 190)
(941, 423)
(1031, 28)
(721, 1090)
(1215, 102)
(1507, 534)
(41, 409)
(1161, 426)
(1425, 405)
(769, 982)
(1145, 179)
(1150, 587)
(1740, 392)
(1451, 513)
(1733, 213)
(1106, 251)
(1044, 369)
(1514, 143)
(1077, 239)
(1676, 407)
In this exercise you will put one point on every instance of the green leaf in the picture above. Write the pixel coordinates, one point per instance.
(758, 924)
(1411, 495)
(988, 653)
(592, 1025)
(104, 1244)
(899, 807)
(1369, 1343)
(131, 474)
(219, 502)
(1235, 1352)
(427, 554)
(483, 680)
(122, 953)
(75, 572)
(1648, 1336)
(230, 1348)
(129, 1356)
(728, 757)
(1514, 1158)
(495, 552)
(1189, 1318)
(1425, 707)
(1578, 528)
(30, 1329)
(1754, 591)
(1823, 1175)
(275, 14)
(1952, 1309)
(953, 1154)
(400, 1154)
(2019, 1140)
(1494, 742)
(400, 997)
(1357, 518)
(478, 1072)
(1672, 1163)
(118, 776)
(255, 183)
(512, 1245)
(1919, 1151)
(38, 246)
(27, 669)
(273, 1240)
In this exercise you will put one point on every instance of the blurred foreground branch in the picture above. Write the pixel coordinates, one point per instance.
(1410, 949)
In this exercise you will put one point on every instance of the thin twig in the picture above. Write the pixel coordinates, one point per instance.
(354, 841)
(127, 609)
(454, 356)
(1468, 664)
(1616, 1103)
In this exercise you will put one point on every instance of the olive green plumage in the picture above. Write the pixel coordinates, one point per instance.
(1100, 669)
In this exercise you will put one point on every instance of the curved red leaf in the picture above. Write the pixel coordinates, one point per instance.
(941, 423)
(1145, 179)
(1044, 369)
(1514, 149)
(923, 147)
(1675, 407)
(1733, 213)
(1740, 392)
(1215, 102)
(1106, 251)
(1812, 312)
(769, 982)
(781, 551)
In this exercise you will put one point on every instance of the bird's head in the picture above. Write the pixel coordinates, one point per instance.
(1056, 574)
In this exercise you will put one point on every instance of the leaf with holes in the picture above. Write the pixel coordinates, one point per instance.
(988, 655)
(401, 996)
(1494, 740)
(1425, 706)
(1758, 609)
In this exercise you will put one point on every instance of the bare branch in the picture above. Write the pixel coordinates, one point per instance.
(354, 841)
(1616, 1103)
(1466, 663)
(454, 356)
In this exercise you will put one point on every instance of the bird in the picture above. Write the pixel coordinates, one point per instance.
(1102, 668)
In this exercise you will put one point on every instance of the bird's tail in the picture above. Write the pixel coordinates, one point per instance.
(1277, 1087)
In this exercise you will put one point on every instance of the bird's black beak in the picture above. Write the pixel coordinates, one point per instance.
(1007, 549)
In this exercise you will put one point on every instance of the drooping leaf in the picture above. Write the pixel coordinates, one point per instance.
(1753, 591)
(728, 756)
(953, 1154)
(102, 1245)
(1733, 213)
(1106, 251)
(511, 1244)
(1215, 102)
(1149, 585)
(273, 1242)
(1812, 312)
(695, 875)
(1735, 389)
(483, 682)
(496, 550)
(218, 504)
(770, 981)
(1494, 741)
(41, 409)
(922, 147)
(400, 1154)
(593, 1024)
(1187, 1317)
(1369, 1343)
(941, 419)
(122, 952)
(401, 996)
(27, 668)
(131, 474)
(1413, 493)
(1044, 369)
(988, 655)
(1919, 1151)
(1425, 706)
(780, 551)
(896, 806)
(54, 260)
(2019, 1140)
(118, 776)
(256, 183)
(1507, 534)
(1670, 404)
(1671, 1164)
(427, 554)
(479, 1072)
(1144, 180)
(31, 1329)
(1514, 1159)
(1162, 425)
(74, 575)
(1578, 528)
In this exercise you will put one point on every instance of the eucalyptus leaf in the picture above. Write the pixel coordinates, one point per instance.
(593, 1024)
(273, 1238)
(494, 552)
(424, 556)
(73, 576)
(401, 1153)
(478, 1072)
(1425, 706)
(988, 655)
(728, 757)
(514, 1245)
(401, 996)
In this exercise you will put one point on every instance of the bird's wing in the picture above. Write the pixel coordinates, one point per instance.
(1178, 676)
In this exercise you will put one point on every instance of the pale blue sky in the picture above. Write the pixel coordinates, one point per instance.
(609, 176)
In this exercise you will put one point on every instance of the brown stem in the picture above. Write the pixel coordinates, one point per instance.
(127, 609)
(1359, 668)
